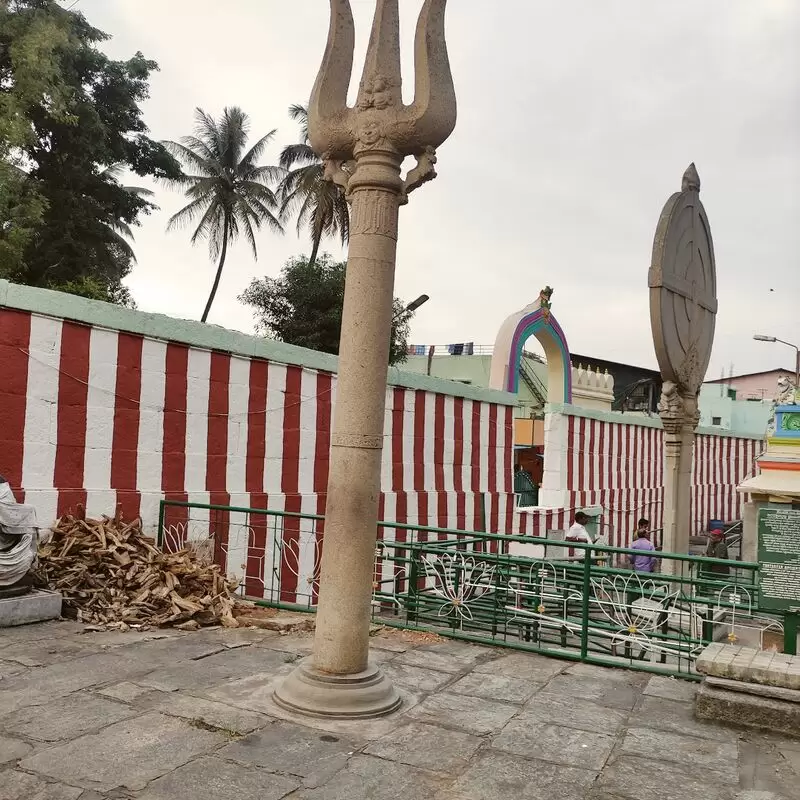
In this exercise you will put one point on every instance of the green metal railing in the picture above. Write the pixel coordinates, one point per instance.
(574, 601)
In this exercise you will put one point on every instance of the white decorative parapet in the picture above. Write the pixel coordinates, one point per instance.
(592, 388)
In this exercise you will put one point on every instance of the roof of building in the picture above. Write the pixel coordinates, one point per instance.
(729, 378)
(576, 359)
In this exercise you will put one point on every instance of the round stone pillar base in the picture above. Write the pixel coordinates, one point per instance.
(319, 694)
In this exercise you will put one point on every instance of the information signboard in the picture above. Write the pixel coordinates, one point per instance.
(779, 557)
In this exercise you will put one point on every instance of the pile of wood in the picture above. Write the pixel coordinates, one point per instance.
(112, 575)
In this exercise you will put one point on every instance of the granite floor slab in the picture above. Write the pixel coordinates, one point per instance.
(649, 778)
(428, 746)
(181, 716)
(65, 718)
(548, 706)
(556, 744)
(128, 754)
(495, 687)
(500, 775)
(211, 778)
(471, 714)
(288, 749)
(417, 679)
(376, 779)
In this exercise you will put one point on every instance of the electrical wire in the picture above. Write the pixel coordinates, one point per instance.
(164, 409)
(645, 505)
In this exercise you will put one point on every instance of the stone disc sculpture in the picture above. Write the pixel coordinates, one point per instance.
(683, 306)
(683, 287)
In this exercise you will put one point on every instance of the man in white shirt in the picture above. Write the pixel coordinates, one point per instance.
(578, 533)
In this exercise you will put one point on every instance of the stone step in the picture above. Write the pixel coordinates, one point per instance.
(762, 690)
(742, 709)
(750, 665)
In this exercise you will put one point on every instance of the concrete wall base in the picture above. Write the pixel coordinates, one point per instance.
(36, 606)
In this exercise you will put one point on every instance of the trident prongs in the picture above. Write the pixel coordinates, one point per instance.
(380, 121)
(433, 112)
(328, 114)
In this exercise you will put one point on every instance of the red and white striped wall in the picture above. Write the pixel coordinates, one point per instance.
(98, 417)
(619, 466)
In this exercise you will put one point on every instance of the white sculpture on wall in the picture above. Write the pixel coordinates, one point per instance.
(592, 388)
(787, 392)
(786, 395)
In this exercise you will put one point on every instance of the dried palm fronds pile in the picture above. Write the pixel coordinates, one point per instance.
(112, 575)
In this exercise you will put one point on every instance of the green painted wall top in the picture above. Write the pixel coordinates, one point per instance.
(640, 420)
(213, 337)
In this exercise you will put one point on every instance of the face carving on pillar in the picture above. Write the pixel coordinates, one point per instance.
(370, 133)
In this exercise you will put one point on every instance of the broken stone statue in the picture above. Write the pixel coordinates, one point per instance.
(20, 602)
(19, 538)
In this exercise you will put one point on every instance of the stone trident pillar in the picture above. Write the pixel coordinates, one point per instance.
(683, 307)
(363, 149)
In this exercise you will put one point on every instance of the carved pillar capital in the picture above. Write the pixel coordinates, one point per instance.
(670, 409)
(349, 139)
(679, 412)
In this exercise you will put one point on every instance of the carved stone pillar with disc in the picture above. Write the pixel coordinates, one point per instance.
(363, 149)
(683, 307)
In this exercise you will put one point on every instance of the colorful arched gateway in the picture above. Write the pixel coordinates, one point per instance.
(536, 320)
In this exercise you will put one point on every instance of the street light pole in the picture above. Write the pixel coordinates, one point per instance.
(415, 304)
(761, 338)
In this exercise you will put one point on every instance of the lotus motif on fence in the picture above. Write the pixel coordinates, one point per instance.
(639, 608)
(459, 580)
(302, 557)
(193, 535)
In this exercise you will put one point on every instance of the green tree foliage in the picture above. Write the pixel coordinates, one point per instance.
(32, 37)
(21, 210)
(119, 231)
(319, 204)
(228, 190)
(29, 71)
(70, 119)
(303, 306)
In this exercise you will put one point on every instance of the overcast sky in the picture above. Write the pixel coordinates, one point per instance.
(576, 121)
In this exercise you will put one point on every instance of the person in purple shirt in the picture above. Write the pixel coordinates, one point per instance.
(643, 562)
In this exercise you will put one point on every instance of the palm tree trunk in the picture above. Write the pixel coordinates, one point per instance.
(314, 250)
(223, 253)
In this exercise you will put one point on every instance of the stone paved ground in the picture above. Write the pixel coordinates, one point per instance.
(102, 716)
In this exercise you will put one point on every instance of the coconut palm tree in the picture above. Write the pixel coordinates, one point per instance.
(320, 205)
(119, 231)
(229, 191)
